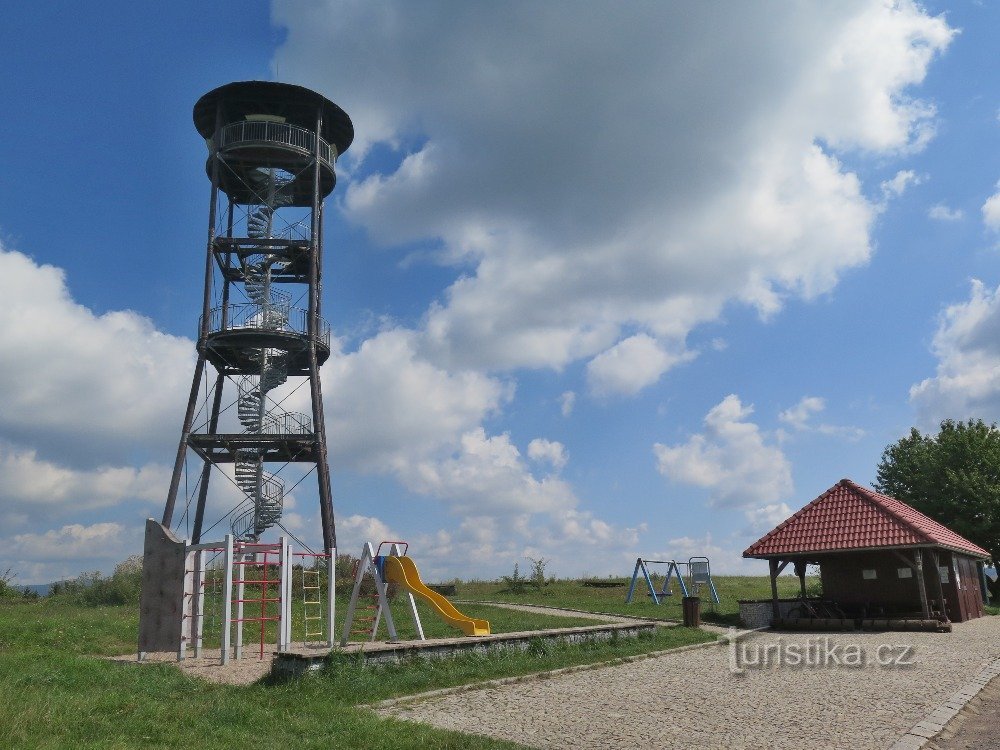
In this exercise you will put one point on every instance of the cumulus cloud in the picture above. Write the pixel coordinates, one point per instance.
(629, 366)
(726, 557)
(768, 516)
(732, 459)
(967, 346)
(390, 411)
(386, 406)
(800, 417)
(991, 211)
(65, 552)
(566, 403)
(899, 183)
(548, 451)
(941, 212)
(32, 487)
(655, 163)
(84, 386)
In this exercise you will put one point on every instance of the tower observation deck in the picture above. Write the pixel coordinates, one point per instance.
(272, 152)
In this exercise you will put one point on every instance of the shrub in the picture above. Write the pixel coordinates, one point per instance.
(5, 578)
(122, 587)
(515, 582)
(537, 577)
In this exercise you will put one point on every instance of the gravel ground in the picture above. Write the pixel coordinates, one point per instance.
(245, 671)
(693, 699)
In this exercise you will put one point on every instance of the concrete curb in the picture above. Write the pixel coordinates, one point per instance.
(934, 723)
(391, 702)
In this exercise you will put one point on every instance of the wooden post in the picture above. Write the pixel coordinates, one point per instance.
(918, 558)
(937, 582)
(774, 569)
(800, 571)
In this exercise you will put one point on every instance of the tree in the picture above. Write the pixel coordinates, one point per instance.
(953, 477)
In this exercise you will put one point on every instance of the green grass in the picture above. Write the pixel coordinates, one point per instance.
(574, 595)
(55, 694)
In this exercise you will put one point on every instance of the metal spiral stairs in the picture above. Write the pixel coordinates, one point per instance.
(265, 491)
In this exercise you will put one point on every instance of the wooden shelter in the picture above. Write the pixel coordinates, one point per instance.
(878, 558)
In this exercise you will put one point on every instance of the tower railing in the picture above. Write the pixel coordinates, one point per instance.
(247, 132)
(252, 317)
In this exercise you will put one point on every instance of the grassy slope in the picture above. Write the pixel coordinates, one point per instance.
(54, 695)
(574, 595)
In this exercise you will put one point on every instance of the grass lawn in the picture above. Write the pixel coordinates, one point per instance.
(574, 595)
(55, 694)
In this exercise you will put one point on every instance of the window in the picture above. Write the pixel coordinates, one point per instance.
(905, 572)
(869, 574)
(943, 572)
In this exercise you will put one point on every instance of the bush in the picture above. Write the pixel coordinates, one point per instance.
(538, 579)
(120, 588)
(515, 582)
(5, 578)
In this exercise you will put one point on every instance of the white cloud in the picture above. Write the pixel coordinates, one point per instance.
(629, 366)
(731, 459)
(991, 211)
(799, 415)
(67, 551)
(967, 346)
(84, 386)
(725, 558)
(576, 225)
(768, 516)
(386, 406)
(354, 530)
(31, 487)
(899, 183)
(486, 476)
(566, 403)
(941, 212)
(548, 451)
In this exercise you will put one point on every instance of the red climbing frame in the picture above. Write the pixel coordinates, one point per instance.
(264, 550)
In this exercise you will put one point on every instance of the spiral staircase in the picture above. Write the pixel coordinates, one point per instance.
(265, 491)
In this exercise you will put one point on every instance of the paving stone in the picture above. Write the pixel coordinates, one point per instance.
(692, 699)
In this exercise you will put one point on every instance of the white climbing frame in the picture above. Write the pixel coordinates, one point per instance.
(193, 608)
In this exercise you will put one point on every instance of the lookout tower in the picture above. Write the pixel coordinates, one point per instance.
(272, 148)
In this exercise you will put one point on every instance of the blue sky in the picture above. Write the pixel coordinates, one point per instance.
(637, 281)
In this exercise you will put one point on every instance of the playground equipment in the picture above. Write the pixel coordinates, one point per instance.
(395, 567)
(699, 573)
(228, 587)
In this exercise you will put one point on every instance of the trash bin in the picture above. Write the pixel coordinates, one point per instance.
(691, 606)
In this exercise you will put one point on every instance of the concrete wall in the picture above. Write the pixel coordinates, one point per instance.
(162, 604)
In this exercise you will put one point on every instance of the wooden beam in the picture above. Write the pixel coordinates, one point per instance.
(800, 571)
(774, 569)
(909, 563)
(918, 558)
(775, 566)
(937, 582)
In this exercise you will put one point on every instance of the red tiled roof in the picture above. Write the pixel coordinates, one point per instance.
(848, 516)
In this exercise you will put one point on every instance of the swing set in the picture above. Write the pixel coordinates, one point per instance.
(699, 573)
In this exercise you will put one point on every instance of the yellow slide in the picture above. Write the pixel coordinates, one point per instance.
(402, 571)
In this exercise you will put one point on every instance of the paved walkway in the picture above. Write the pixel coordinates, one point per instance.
(693, 699)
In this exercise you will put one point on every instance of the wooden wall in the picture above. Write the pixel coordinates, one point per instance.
(844, 581)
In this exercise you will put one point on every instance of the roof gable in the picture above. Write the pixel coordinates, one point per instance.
(851, 517)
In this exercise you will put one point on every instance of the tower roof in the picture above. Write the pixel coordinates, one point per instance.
(296, 104)
(850, 517)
